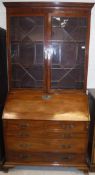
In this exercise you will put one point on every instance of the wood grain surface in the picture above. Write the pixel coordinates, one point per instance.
(68, 105)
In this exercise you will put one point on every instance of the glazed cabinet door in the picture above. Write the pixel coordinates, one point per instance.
(68, 45)
(27, 51)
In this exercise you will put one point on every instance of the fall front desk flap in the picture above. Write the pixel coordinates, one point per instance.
(65, 105)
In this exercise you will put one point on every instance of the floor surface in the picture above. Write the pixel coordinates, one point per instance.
(43, 171)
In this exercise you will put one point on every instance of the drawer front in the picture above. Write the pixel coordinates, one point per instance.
(22, 134)
(51, 126)
(28, 157)
(47, 145)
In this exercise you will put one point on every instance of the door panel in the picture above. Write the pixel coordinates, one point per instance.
(68, 35)
(27, 38)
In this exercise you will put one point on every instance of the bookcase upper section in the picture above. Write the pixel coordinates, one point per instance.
(48, 44)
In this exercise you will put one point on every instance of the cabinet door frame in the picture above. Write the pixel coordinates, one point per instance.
(75, 14)
(9, 46)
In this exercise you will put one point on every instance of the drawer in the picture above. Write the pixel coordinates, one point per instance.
(28, 157)
(44, 134)
(51, 126)
(47, 145)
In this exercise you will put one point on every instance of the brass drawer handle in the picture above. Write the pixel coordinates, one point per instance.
(66, 146)
(23, 134)
(25, 156)
(24, 125)
(67, 135)
(71, 126)
(67, 157)
(25, 145)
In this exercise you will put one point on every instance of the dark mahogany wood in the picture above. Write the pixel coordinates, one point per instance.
(29, 134)
(47, 126)
(63, 9)
(50, 4)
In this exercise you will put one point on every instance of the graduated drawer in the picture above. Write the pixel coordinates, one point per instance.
(51, 126)
(47, 145)
(40, 157)
(59, 134)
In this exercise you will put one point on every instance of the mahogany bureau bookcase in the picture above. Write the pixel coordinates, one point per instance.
(46, 116)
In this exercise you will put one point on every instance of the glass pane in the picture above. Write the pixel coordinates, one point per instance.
(27, 38)
(68, 55)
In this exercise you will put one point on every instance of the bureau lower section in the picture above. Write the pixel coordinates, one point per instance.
(59, 143)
